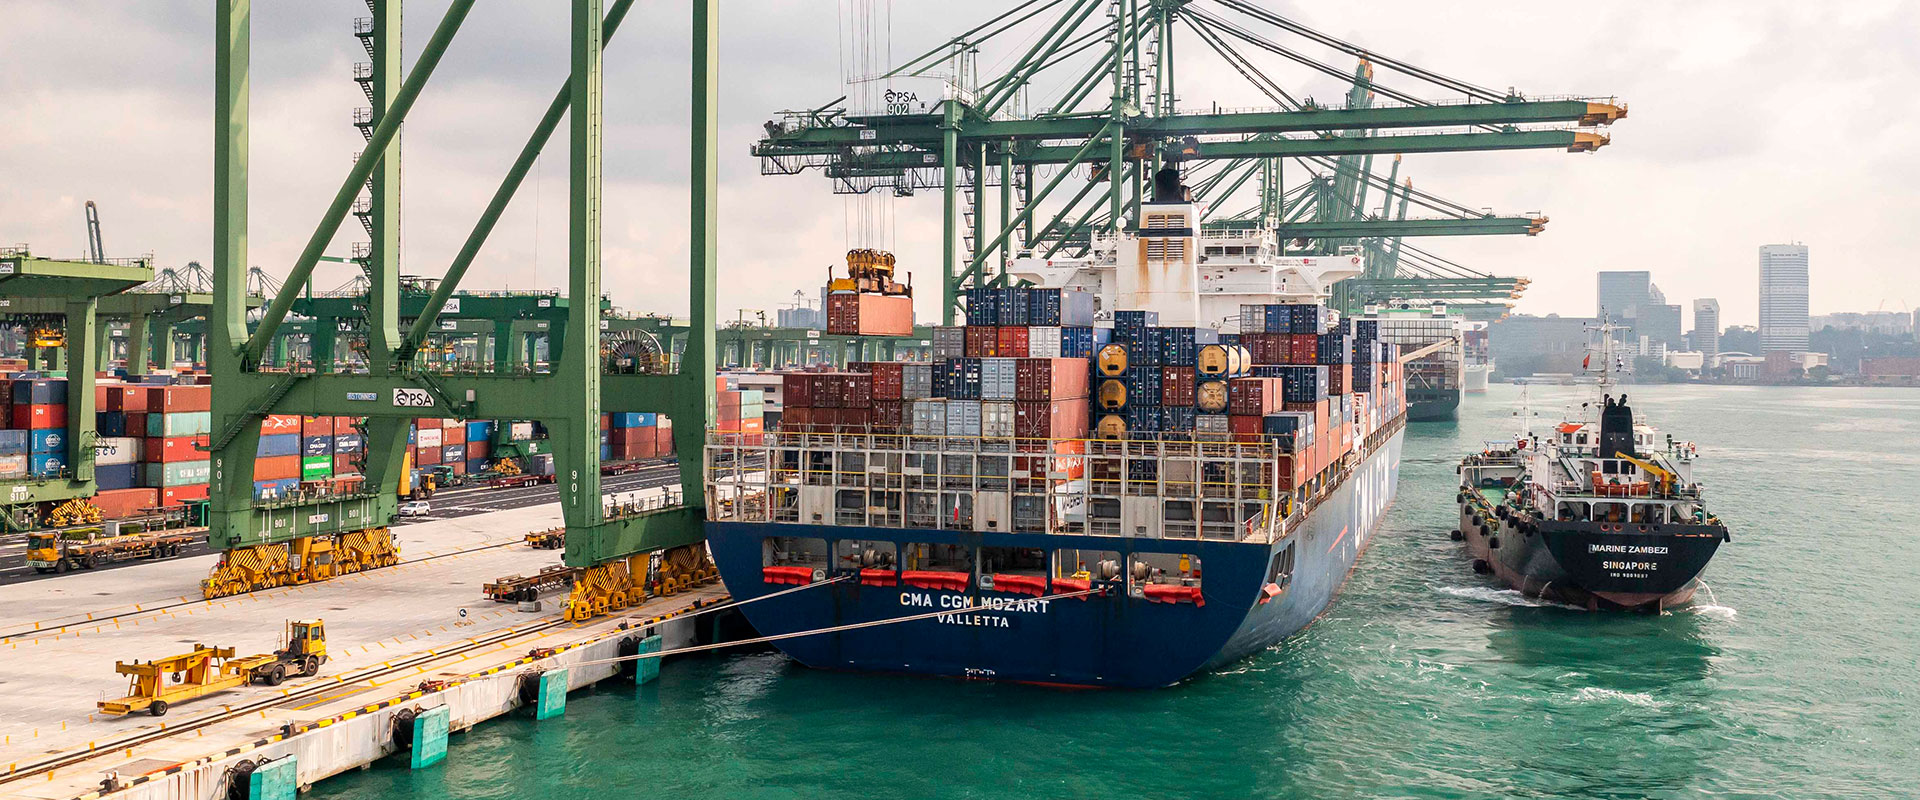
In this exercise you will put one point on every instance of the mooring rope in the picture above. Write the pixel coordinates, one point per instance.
(989, 606)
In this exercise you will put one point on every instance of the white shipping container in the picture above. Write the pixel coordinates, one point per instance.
(117, 450)
(428, 437)
(949, 341)
(916, 382)
(520, 431)
(930, 417)
(1043, 342)
(963, 418)
(999, 378)
(996, 419)
(13, 466)
(1210, 423)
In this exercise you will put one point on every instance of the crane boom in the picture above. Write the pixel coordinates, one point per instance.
(95, 252)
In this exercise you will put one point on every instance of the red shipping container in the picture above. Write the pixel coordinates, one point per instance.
(316, 426)
(137, 423)
(663, 438)
(343, 465)
(100, 396)
(1246, 428)
(276, 424)
(175, 449)
(796, 390)
(1011, 342)
(797, 420)
(890, 415)
(181, 495)
(853, 420)
(39, 416)
(1042, 380)
(426, 456)
(856, 391)
(458, 467)
(982, 341)
(170, 399)
(1253, 397)
(126, 398)
(854, 314)
(1059, 419)
(606, 421)
(118, 503)
(348, 484)
(827, 388)
(477, 450)
(1179, 386)
(276, 468)
(889, 378)
(728, 399)
(1304, 348)
(644, 449)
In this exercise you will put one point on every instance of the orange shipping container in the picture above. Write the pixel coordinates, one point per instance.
(869, 314)
(180, 495)
(175, 448)
(118, 503)
(276, 468)
(171, 399)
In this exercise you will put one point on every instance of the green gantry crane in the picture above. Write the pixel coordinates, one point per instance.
(1093, 99)
(58, 302)
(395, 387)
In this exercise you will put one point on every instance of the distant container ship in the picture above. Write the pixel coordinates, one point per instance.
(1435, 343)
(1058, 502)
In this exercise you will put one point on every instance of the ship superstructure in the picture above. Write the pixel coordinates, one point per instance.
(1602, 512)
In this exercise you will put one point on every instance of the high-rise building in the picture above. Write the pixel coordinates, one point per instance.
(1621, 293)
(1706, 326)
(1783, 298)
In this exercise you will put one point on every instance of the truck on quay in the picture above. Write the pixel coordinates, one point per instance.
(151, 536)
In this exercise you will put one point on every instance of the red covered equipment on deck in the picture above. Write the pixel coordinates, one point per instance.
(1166, 593)
(798, 576)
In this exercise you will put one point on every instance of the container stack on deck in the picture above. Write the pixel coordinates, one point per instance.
(869, 302)
(1030, 364)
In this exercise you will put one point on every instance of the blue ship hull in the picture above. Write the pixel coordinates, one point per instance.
(1114, 639)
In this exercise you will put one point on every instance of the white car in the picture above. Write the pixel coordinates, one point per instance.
(415, 508)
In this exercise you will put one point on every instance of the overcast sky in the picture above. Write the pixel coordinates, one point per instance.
(1752, 122)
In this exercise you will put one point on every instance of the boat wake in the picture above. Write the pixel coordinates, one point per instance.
(1717, 612)
(1502, 596)
(1595, 694)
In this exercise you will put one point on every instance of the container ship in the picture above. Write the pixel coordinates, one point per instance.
(1058, 501)
(1601, 513)
(1435, 344)
(1479, 360)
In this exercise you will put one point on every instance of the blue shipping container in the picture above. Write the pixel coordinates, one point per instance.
(1012, 305)
(983, 306)
(606, 452)
(13, 442)
(279, 444)
(1077, 341)
(40, 391)
(316, 446)
(476, 465)
(46, 465)
(112, 423)
(116, 476)
(628, 419)
(480, 430)
(47, 440)
(1132, 326)
(1063, 307)
(348, 443)
(275, 490)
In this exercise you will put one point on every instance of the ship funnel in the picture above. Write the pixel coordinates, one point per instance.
(1616, 429)
(1167, 187)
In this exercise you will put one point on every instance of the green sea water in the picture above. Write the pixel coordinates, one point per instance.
(1793, 677)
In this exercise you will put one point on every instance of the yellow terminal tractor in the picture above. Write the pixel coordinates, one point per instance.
(155, 685)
